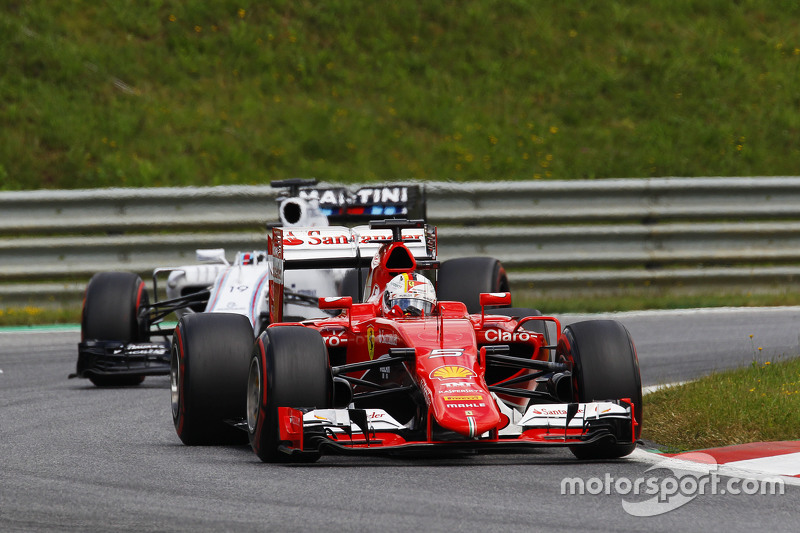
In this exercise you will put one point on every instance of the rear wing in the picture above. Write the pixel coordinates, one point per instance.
(343, 206)
(335, 247)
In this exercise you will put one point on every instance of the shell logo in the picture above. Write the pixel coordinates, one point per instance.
(451, 372)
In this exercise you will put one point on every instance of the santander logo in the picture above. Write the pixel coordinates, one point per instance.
(290, 240)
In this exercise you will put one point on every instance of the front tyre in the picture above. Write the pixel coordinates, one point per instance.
(605, 367)
(288, 368)
(208, 377)
(114, 310)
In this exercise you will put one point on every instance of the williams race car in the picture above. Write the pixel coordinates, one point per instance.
(406, 371)
(123, 338)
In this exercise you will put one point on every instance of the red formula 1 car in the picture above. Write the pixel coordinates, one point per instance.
(402, 371)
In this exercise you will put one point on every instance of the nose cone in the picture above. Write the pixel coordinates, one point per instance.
(465, 407)
(451, 379)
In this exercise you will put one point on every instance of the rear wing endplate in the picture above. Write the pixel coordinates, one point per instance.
(334, 247)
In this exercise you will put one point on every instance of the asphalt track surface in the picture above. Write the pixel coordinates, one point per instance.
(77, 458)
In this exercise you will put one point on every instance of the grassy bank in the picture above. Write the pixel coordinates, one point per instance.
(32, 315)
(757, 403)
(207, 92)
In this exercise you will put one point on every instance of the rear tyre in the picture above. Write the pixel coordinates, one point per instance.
(208, 377)
(605, 367)
(465, 278)
(288, 368)
(350, 284)
(113, 310)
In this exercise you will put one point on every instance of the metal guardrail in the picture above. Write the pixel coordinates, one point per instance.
(553, 236)
(539, 203)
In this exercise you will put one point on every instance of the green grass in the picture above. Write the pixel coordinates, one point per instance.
(31, 315)
(753, 404)
(208, 92)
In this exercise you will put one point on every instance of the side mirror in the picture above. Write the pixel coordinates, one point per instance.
(211, 255)
(495, 298)
(336, 302)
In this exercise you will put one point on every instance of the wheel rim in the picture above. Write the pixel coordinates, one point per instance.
(253, 394)
(175, 382)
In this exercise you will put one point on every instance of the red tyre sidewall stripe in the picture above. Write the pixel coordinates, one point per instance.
(262, 413)
(501, 273)
(139, 295)
(136, 317)
(263, 372)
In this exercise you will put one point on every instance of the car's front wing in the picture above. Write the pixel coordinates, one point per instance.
(373, 431)
(105, 358)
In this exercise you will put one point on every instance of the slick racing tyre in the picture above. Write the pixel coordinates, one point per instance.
(353, 284)
(208, 377)
(288, 368)
(605, 367)
(465, 278)
(112, 312)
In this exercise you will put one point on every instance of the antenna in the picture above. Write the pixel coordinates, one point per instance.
(294, 185)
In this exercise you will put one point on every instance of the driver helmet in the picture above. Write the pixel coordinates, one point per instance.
(412, 293)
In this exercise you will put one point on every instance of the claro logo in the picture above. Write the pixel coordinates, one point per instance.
(497, 335)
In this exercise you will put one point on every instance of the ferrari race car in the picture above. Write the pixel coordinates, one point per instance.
(405, 371)
(122, 334)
